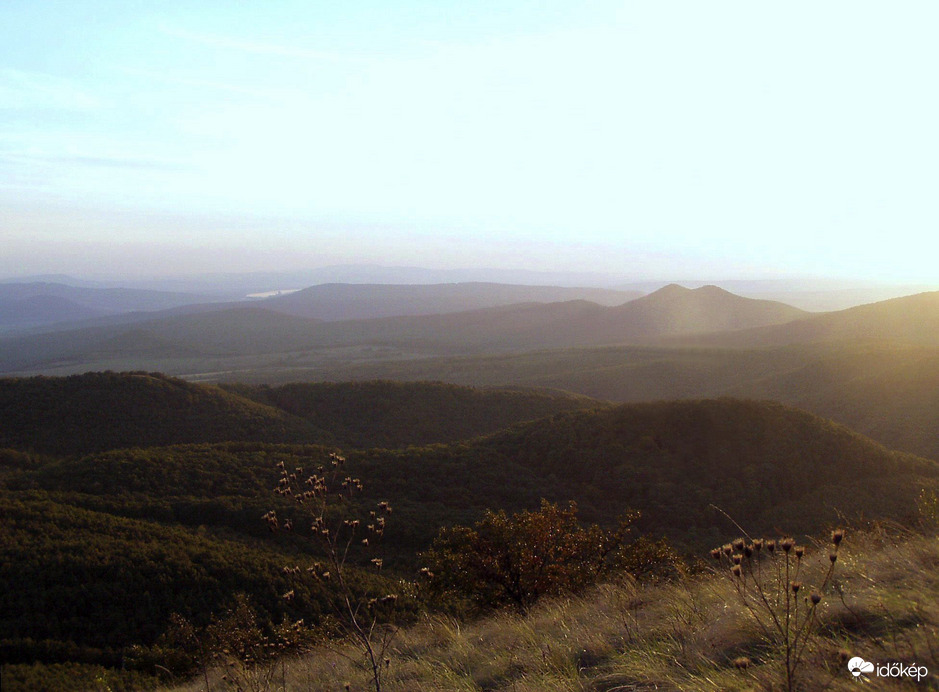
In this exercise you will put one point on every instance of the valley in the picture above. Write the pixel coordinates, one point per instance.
(140, 456)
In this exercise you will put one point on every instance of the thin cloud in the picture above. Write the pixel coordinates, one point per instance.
(97, 161)
(201, 83)
(260, 48)
(29, 90)
(136, 164)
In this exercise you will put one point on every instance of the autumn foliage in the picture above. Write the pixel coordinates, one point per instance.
(514, 560)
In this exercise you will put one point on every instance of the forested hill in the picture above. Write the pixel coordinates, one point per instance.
(108, 545)
(769, 466)
(100, 411)
(397, 414)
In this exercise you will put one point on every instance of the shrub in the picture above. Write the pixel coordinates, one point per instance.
(339, 527)
(515, 560)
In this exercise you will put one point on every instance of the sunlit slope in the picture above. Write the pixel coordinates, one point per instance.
(678, 310)
(890, 393)
(398, 414)
(910, 320)
(97, 411)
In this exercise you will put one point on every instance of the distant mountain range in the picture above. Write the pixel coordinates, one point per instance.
(674, 316)
(224, 330)
(34, 304)
(873, 367)
(365, 301)
(45, 305)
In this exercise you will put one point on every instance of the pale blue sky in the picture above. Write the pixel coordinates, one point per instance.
(651, 139)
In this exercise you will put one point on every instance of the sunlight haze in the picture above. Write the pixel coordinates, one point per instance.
(644, 139)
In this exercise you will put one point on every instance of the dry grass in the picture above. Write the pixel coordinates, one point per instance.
(681, 636)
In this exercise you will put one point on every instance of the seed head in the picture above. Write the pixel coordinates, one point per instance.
(837, 536)
(800, 551)
(716, 553)
(736, 570)
(771, 546)
(738, 545)
(787, 544)
(833, 556)
(796, 585)
(816, 597)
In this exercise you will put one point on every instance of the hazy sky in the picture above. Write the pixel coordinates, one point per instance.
(655, 138)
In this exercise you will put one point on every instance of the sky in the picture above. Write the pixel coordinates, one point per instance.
(651, 139)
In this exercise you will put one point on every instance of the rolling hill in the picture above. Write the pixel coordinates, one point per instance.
(910, 320)
(222, 337)
(39, 303)
(400, 414)
(887, 392)
(670, 311)
(101, 411)
(338, 301)
(769, 466)
(106, 544)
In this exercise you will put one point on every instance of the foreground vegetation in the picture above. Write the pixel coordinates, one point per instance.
(690, 634)
(154, 563)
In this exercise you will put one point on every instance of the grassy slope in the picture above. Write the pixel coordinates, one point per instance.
(682, 636)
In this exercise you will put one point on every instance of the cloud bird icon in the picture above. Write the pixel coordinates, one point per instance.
(858, 666)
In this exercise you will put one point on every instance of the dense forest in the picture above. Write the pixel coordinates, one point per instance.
(128, 499)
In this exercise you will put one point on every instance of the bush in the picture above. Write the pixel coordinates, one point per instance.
(515, 560)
